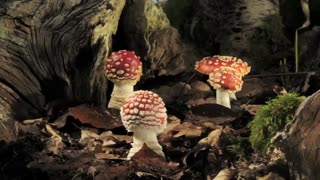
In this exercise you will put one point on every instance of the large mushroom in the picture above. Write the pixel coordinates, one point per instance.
(124, 69)
(209, 64)
(144, 114)
(225, 80)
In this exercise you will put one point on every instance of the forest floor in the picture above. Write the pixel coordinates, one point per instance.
(203, 140)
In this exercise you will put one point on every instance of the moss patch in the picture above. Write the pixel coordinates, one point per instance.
(272, 118)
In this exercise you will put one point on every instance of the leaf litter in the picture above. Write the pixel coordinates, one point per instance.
(203, 144)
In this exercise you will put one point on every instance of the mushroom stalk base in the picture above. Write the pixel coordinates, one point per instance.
(147, 137)
(223, 98)
(119, 94)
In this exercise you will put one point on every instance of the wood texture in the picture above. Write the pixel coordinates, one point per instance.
(146, 29)
(300, 141)
(51, 53)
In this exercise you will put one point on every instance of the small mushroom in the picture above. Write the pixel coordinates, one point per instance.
(209, 64)
(124, 69)
(225, 80)
(144, 114)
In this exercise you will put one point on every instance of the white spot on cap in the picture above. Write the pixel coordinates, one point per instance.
(158, 115)
(120, 72)
(141, 113)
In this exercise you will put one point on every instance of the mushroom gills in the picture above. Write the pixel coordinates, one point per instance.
(148, 137)
(223, 98)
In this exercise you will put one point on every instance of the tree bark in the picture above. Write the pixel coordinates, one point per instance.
(249, 29)
(53, 51)
(300, 141)
(147, 30)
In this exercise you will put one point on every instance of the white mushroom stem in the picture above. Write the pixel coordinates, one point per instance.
(233, 96)
(120, 93)
(147, 136)
(223, 97)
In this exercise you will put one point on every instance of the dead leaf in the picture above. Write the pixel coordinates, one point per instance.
(109, 156)
(212, 139)
(146, 160)
(169, 94)
(55, 145)
(200, 101)
(112, 172)
(188, 130)
(90, 115)
(209, 124)
(88, 134)
(166, 136)
(251, 108)
(212, 112)
(197, 156)
(225, 174)
(271, 176)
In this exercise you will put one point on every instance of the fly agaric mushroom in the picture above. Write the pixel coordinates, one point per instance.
(225, 80)
(209, 64)
(144, 114)
(124, 69)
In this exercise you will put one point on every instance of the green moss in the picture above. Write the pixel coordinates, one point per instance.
(269, 43)
(155, 17)
(272, 118)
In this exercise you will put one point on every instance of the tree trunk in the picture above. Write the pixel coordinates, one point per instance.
(52, 52)
(300, 141)
(147, 30)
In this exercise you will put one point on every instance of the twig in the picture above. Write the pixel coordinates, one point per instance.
(280, 74)
(187, 82)
(306, 81)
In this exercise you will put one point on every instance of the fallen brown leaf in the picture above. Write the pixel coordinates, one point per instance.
(146, 160)
(188, 130)
(200, 101)
(271, 176)
(225, 174)
(166, 136)
(109, 156)
(251, 108)
(55, 145)
(212, 139)
(212, 112)
(112, 172)
(90, 115)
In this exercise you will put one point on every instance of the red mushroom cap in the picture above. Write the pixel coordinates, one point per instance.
(226, 78)
(144, 109)
(123, 65)
(209, 64)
